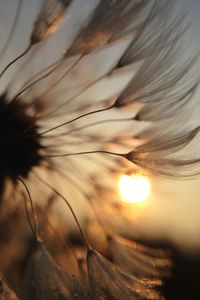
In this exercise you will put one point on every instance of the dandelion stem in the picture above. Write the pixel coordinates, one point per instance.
(36, 229)
(75, 119)
(28, 215)
(58, 235)
(69, 206)
(84, 89)
(85, 153)
(54, 66)
(12, 30)
(96, 123)
(16, 59)
(63, 76)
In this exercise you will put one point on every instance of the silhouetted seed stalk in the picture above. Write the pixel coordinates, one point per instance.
(62, 141)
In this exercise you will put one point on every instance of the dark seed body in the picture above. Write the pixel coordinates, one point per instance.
(20, 145)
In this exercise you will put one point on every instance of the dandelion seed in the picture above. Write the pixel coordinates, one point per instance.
(110, 20)
(109, 282)
(5, 292)
(49, 19)
(131, 259)
(44, 280)
(47, 22)
(156, 153)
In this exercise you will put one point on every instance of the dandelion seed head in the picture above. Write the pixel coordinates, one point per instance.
(58, 137)
(20, 145)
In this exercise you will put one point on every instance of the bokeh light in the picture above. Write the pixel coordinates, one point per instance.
(134, 188)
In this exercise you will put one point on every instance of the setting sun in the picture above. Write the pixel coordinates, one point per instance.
(134, 189)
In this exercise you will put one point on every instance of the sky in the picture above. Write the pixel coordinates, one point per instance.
(173, 210)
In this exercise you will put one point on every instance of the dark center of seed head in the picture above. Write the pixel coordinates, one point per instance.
(19, 144)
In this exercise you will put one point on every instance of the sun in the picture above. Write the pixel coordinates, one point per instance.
(134, 188)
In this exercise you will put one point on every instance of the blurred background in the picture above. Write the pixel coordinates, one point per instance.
(170, 215)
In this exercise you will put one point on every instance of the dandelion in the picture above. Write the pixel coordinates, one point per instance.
(63, 140)
(5, 291)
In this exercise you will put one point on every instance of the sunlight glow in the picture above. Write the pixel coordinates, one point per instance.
(134, 188)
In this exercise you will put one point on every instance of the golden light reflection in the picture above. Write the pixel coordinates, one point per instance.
(134, 188)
